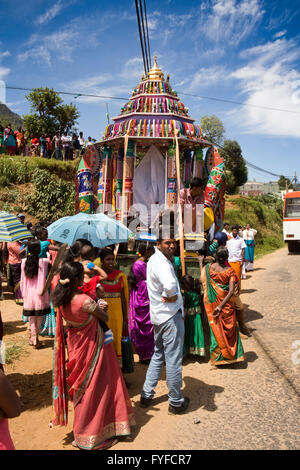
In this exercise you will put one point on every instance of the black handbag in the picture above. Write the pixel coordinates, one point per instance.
(127, 356)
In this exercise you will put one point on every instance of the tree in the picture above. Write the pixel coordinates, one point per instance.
(235, 165)
(283, 181)
(213, 127)
(49, 115)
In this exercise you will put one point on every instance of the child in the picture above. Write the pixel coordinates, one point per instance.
(91, 284)
(194, 337)
(34, 271)
(42, 234)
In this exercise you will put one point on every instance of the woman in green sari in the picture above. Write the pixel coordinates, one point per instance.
(218, 280)
(193, 336)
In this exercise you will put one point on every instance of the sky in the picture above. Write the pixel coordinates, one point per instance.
(240, 50)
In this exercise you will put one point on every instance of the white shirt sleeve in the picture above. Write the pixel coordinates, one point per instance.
(168, 281)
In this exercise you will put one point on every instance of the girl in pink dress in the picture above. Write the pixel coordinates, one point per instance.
(34, 271)
(102, 408)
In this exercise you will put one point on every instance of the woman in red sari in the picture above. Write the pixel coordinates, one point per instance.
(218, 280)
(102, 408)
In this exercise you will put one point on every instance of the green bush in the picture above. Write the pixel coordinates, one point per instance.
(52, 197)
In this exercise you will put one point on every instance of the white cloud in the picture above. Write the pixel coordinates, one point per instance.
(60, 44)
(119, 84)
(229, 21)
(50, 14)
(271, 80)
(4, 54)
(3, 72)
(280, 34)
(207, 76)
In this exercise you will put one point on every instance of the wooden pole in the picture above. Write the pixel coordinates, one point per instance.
(181, 239)
(123, 188)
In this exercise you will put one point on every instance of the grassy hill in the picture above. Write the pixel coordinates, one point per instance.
(7, 116)
(264, 213)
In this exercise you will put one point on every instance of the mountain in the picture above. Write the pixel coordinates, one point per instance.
(7, 116)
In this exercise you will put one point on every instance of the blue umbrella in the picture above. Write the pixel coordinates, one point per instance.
(99, 229)
(11, 228)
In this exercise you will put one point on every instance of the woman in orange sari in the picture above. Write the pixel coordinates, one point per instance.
(102, 408)
(117, 296)
(218, 281)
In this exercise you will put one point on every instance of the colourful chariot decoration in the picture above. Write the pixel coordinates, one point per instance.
(151, 125)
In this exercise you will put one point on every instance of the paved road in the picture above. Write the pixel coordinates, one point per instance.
(242, 406)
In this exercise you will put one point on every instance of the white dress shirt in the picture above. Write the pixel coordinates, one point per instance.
(235, 248)
(162, 282)
(249, 234)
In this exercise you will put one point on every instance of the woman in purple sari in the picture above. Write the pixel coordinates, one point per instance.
(140, 327)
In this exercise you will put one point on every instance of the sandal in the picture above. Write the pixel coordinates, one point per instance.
(38, 345)
(107, 444)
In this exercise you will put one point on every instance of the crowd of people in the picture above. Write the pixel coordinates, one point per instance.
(93, 306)
(61, 146)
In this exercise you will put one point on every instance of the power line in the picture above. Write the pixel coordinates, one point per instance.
(140, 33)
(148, 42)
(75, 94)
(144, 36)
(251, 165)
(78, 94)
(239, 103)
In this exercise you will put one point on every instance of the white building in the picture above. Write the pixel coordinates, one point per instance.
(254, 188)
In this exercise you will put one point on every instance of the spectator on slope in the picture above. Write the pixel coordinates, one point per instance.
(43, 146)
(76, 146)
(58, 146)
(35, 143)
(66, 146)
(20, 140)
(10, 143)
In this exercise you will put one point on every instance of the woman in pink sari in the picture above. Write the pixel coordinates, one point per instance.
(141, 331)
(102, 408)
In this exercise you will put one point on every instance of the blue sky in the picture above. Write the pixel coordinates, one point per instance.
(240, 50)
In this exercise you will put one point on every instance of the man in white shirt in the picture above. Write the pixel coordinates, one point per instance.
(66, 145)
(226, 229)
(236, 248)
(166, 314)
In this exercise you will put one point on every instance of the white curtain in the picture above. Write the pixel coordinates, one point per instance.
(149, 183)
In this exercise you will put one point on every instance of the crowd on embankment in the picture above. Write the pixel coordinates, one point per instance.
(60, 146)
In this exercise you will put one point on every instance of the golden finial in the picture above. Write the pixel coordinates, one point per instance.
(155, 73)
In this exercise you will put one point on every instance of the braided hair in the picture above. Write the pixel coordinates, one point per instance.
(32, 262)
